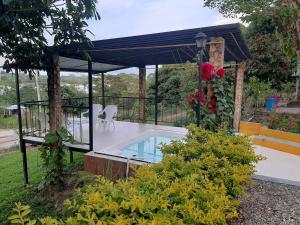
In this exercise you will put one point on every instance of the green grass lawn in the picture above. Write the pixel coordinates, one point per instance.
(10, 122)
(12, 187)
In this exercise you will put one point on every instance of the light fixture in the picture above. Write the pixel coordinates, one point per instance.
(201, 39)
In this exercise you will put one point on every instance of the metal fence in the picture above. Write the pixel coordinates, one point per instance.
(75, 113)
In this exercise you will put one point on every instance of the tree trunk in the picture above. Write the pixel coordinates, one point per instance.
(239, 96)
(298, 73)
(297, 5)
(37, 86)
(54, 95)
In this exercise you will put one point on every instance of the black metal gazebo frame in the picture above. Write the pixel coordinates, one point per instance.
(174, 47)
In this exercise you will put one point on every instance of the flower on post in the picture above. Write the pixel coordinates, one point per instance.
(207, 71)
(207, 97)
(191, 100)
(221, 72)
(197, 96)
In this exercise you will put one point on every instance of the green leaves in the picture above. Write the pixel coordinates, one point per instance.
(53, 154)
(51, 138)
(21, 215)
(198, 182)
(24, 26)
(282, 36)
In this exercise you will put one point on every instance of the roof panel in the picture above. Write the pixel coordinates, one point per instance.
(161, 48)
(71, 64)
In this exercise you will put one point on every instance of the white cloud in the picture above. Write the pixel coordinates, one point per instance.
(222, 21)
(121, 18)
(134, 17)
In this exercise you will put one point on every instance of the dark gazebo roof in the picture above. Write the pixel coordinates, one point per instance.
(161, 48)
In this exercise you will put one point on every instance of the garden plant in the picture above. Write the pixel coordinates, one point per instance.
(216, 99)
(198, 182)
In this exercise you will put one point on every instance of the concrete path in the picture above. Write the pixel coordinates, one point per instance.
(8, 139)
(278, 167)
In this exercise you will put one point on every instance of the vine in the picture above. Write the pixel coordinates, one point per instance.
(216, 99)
(53, 156)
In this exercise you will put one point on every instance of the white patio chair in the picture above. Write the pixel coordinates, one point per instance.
(97, 109)
(110, 114)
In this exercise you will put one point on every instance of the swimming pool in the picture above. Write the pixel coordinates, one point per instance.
(148, 148)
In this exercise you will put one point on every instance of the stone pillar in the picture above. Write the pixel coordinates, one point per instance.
(216, 53)
(216, 58)
(142, 93)
(238, 96)
(54, 95)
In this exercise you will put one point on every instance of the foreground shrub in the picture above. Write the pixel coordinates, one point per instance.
(198, 182)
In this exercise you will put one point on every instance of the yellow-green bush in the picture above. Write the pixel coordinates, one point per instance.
(197, 183)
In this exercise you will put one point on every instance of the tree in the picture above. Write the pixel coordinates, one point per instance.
(118, 85)
(284, 13)
(268, 62)
(175, 82)
(25, 26)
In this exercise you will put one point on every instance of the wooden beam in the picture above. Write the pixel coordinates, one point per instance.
(239, 88)
(297, 74)
(142, 93)
(146, 47)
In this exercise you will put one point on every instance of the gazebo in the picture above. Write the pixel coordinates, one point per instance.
(225, 43)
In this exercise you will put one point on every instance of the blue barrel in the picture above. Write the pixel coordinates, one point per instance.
(271, 103)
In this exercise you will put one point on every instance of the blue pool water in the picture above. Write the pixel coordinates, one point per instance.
(147, 149)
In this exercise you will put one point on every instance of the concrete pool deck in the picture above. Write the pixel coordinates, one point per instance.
(278, 167)
(108, 140)
(108, 136)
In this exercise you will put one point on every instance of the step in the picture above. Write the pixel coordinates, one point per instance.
(277, 144)
(280, 134)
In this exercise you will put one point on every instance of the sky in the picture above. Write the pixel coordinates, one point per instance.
(133, 17)
(121, 18)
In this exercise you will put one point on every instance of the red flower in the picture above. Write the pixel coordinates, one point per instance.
(207, 71)
(191, 100)
(221, 72)
(199, 95)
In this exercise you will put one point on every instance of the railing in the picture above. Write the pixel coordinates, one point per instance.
(75, 114)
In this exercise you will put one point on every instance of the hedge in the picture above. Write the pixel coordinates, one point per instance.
(198, 182)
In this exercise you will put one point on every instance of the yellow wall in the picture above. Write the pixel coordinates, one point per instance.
(249, 128)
